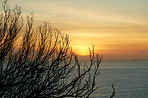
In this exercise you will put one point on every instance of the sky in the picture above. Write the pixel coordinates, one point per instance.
(117, 28)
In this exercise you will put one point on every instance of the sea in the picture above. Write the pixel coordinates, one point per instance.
(130, 79)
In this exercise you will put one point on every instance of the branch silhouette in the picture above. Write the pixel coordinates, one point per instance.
(113, 93)
(39, 62)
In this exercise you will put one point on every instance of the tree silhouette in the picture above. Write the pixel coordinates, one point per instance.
(39, 62)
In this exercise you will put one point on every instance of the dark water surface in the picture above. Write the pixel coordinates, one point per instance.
(129, 77)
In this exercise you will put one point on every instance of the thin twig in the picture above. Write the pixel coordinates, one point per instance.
(113, 94)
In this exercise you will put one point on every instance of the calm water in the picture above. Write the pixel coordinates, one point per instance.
(129, 77)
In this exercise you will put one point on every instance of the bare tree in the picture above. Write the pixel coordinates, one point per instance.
(39, 63)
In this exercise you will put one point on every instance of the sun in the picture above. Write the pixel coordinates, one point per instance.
(81, 50)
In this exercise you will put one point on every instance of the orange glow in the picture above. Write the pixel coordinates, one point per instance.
(116, 31)
(81, 50)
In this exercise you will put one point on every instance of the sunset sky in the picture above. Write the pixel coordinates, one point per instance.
(117, 28)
